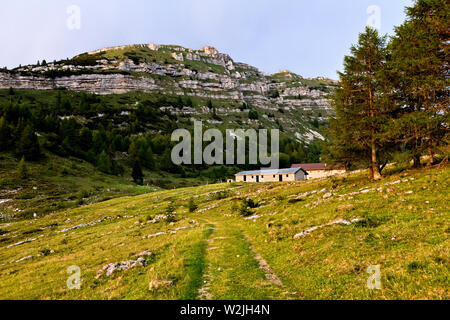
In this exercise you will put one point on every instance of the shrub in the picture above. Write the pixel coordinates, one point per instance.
(45, 252)
(170, 212)
(244, 210)
(251, 204)
(402, 160)
(246, 206)
(274, 93)
(253, 115)
(221, 195)
(191, 205)
(22, 170)
(415, 265)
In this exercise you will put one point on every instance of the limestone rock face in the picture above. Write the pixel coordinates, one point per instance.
(210, 50)
(174, 70)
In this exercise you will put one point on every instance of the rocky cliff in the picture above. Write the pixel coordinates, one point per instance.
(173, 70)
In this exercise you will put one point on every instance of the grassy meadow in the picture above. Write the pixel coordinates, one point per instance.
(400, 223)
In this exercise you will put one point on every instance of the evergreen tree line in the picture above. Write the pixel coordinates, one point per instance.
(393, 96)
(69, 124)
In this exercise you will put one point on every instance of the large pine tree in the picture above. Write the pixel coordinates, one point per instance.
(360, 108)
(420, 81)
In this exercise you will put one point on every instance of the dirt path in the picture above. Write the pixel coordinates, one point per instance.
(263, 265)
(234, 269)
(204, 291)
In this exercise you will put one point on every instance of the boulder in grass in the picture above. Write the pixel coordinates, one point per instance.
(159, 284)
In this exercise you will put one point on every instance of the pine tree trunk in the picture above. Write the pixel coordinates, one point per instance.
(416, 161)
(430, 139)
(431, 156)
(375, 172)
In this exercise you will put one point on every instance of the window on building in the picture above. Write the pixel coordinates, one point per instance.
(287, 176)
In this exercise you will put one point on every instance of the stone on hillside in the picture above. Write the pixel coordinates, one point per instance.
(145, 253)
(110, 268)
(327, 195)
(159, 284)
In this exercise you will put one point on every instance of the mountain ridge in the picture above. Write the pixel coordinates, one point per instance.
(296, 102)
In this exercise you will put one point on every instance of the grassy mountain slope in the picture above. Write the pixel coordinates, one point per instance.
(402, 224)
(104, 101)
(284, 98)
(56, 183)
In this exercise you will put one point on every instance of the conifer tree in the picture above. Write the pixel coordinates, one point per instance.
(22, 170)
(104, 163)
(149, 158)
(420, 78)
(28, 145)
(5, 134)
(137, 174)
(360, 111)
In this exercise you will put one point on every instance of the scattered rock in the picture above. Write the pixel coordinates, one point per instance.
(254, 217)
(145, 253)
(21, 242)
(327, 195)
(109, 269)
(159, 284)
(89, 224)
(22, 259)
(207, 209)
(169, 231)
(338, 221)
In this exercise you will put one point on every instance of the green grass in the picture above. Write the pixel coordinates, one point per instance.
(406, 233)
(55, 183)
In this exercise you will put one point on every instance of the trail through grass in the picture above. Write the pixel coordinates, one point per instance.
(403, 225)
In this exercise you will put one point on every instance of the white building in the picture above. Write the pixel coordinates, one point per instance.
(272, 175)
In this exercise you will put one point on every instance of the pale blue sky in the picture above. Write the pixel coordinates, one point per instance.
(309, 37)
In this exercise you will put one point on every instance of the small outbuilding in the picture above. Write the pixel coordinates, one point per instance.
(272, 175)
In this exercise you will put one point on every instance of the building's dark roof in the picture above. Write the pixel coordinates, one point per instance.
(318, 166)
(310, 166)
(270, 171)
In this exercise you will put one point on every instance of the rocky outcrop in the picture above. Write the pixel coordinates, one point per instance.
(175, 70)
(105, 77)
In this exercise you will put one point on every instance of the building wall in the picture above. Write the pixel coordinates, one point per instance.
(273, 177)
(317, 174)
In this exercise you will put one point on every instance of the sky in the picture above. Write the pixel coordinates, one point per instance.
(308, 37)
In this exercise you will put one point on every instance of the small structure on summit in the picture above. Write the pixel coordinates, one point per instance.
(272, 175)
(321, 170)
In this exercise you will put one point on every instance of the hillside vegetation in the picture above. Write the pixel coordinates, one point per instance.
(67, 138)
(233, 241)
